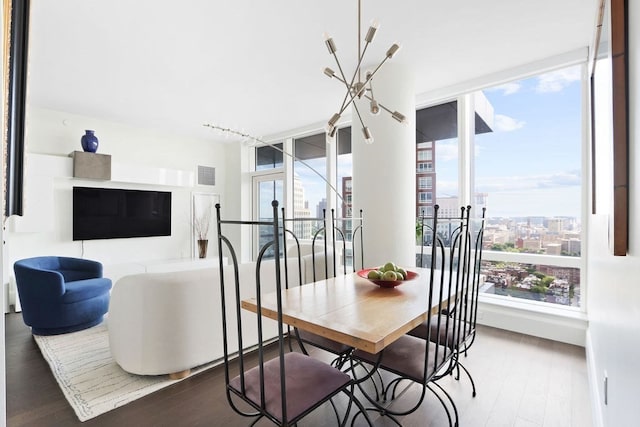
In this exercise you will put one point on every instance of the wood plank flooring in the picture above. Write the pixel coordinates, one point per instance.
(522, 381)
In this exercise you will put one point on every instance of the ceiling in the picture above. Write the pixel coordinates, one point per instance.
(256, 66)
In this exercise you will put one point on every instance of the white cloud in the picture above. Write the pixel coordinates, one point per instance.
(555, 81)
(446, 151)
(528, 182)
(504, 123)
(508, 88)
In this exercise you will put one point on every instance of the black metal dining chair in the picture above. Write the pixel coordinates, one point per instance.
(419, 361)
(470, 236)
(332, 266)
(289, 386)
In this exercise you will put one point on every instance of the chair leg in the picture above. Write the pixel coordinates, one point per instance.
(444, 405)
(369, 375)
(361, 409)
(473, 384)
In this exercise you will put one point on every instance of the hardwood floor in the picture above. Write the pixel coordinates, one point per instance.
(522, 381)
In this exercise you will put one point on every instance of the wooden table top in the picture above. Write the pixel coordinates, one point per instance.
(352, 310)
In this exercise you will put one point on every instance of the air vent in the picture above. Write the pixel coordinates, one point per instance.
(206, 175)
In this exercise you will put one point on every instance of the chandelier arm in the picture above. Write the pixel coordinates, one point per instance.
(379, 104)
(368, 79)
(372, 97)
(341, 81)
(345, 104)
(356, 73)
(245, 135)
(358, 113)
(352, 98)
(344, 80)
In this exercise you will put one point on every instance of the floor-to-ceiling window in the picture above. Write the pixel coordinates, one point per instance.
(309, 188)
(268, 186)
(524, 143)
(528, 172)
(437, 159)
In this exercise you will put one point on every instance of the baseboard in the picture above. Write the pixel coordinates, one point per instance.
(592, 374)
(558, 325)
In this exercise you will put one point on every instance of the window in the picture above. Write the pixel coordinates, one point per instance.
(426, 211)
(269, 157)
(425, 167)
(424, 155)
(425, 183)
(526, 154)
(437, 155)
(525, 151)
(528, 171)
(344, 171)
(266, 188)
(425, 197)
(309, 189)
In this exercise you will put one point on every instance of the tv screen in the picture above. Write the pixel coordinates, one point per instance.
(111, 213)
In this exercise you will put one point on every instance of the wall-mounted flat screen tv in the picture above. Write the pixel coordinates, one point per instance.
(111, 213)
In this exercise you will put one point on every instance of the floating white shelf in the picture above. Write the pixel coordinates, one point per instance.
(41, 169)
(62, 166)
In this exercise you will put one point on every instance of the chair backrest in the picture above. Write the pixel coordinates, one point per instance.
(331, 240)
(475, 235)
(448, 276)
(465, 247)
(234, 316)
(350, 231)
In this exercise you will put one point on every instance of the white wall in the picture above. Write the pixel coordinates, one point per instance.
(57, 134)
(613, 342)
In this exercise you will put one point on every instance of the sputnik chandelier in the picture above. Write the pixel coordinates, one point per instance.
(355, 87)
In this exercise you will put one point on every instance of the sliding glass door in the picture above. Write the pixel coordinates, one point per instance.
(267, 188)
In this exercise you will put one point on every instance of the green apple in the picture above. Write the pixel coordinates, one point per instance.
(389, 276)
(403, 272)
(374, 274)
(390, 266)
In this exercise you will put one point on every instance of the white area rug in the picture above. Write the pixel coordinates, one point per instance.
(90, 379)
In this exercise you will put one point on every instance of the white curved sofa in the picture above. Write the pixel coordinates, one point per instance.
(169, 323)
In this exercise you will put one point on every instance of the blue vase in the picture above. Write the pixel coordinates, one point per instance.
(89, 142)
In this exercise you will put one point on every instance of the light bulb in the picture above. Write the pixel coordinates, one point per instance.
(371, 32)
(330, 44)
(399, 117)
(375, 108)
(368, 138)
(393, 50)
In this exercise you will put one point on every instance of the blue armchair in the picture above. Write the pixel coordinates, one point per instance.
(60, 294)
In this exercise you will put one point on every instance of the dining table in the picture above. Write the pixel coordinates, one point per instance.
(355, 311)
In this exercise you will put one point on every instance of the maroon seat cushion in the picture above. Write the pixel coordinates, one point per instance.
(406, 357)
(445, 332)
(307, 382)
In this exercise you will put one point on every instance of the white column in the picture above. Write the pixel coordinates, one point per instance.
(466, 133)
(384, 175)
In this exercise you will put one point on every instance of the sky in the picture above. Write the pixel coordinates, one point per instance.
(530, 165)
